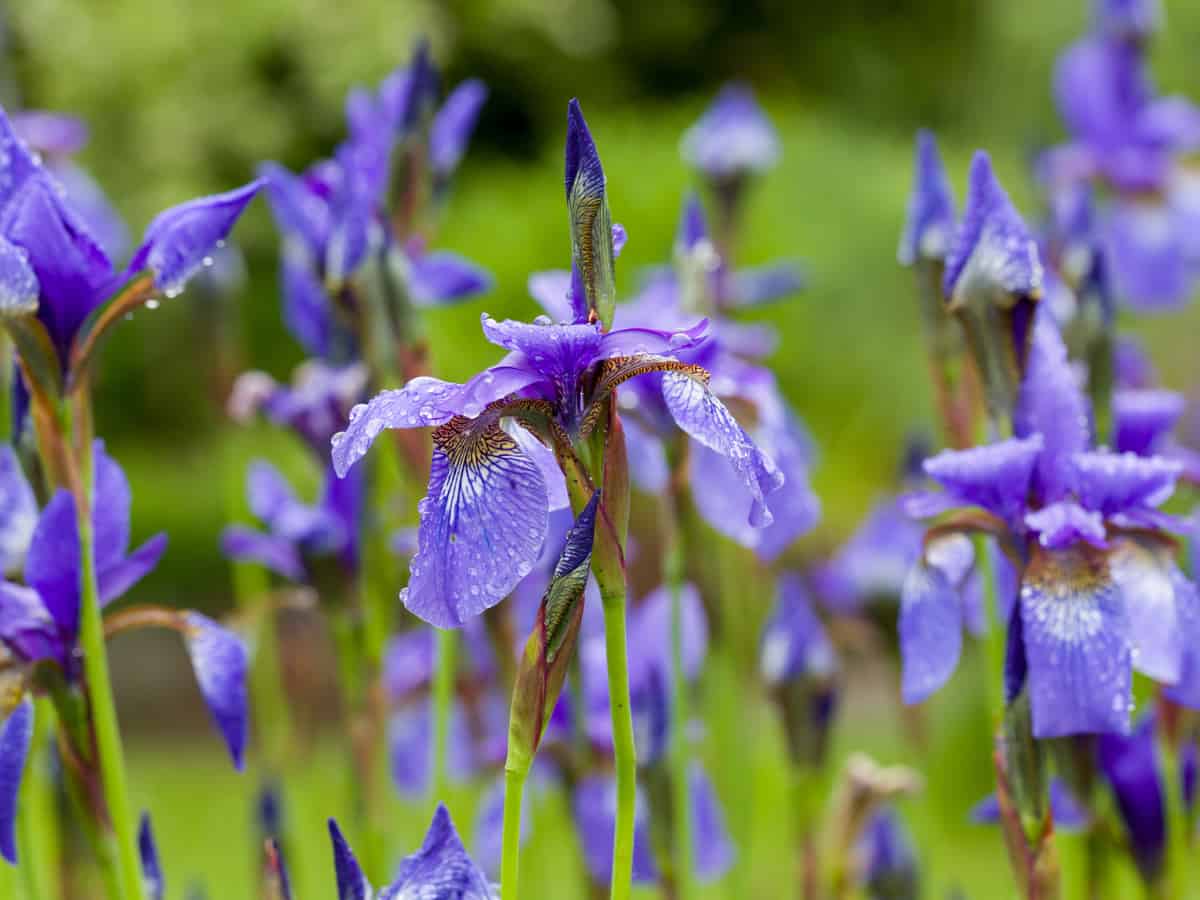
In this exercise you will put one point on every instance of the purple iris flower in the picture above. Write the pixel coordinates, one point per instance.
(733, 138)
(1096, 581)
(441, 868)
(1128, 138)
(333, 218)
(929, 225)
(296, 531)
(314, 406)
(44, 238)
(889, 860)
(1130, 766)
(484, 520)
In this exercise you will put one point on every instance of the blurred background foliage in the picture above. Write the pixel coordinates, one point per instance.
(185, 98)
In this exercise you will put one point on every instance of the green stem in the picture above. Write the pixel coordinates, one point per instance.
(1177, 825)
(994, 635)
(443, 707)
(38, 819)
(680, 716)
(623, 745)
(514, 792)
(104, 712)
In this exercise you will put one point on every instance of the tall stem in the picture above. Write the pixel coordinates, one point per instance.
(623, 745)
(443, 707)
(103, 709)
(514, 793)
(38, 812)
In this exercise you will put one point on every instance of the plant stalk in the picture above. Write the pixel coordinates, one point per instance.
(514, 793)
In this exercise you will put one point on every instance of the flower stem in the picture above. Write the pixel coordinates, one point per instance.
(680, 720)
(623, 745)
(443, 707)
(104, 711)
(993, 637)
(514, 793)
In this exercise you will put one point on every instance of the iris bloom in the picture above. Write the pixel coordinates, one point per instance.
(1130, 140)
(1082, 526)
(314, 406)
(733, 138)
(335, 217)
(484, 519)
(441, 868)
(296, 533)
(39, 620)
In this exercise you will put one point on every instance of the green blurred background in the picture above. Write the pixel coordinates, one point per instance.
(186, 97)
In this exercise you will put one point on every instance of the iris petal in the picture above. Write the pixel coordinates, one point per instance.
(275, 553)
(995, 476)
(16, 737)
(930, 221)
(441, 868)
(931, 623)
(220, 661)
(443, 277)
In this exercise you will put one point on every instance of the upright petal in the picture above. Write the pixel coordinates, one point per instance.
(300, 212)
(482, 524)
(995, 477)
(1076, 637)
(352, 884)
(52, 565)
(591, 224)
(16, 737)
(441, 868)
(451, 128)
(220, 661)
(1065, 522)
(929, 225)
(702, 416)
(18, 512)
(993, 252)
(180, 239)
(931, 623)
(443, 277)
(1051, 404)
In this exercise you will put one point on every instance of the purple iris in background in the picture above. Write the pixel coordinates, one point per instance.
(930, 221)
(49, 257)
(650, 696)
(296, 532)
(335, 218)
(888, 858)
(314, 406)
(733, 138)
(441, 868)
(1130, 140)
(39, 620)
(1082, 526)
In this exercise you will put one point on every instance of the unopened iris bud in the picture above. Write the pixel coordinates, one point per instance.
(992, 279)
(591, 222)
(543, 665)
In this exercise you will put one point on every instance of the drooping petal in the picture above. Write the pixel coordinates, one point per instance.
(1130, 764)
(438, 278)
(992, 251)
(1142, 418)
(352, 884)
(995, 477)
(733, 137)
(441, 868)
(705, 418)
(114, 580)
(423, 403)
(712, 847)
(794, 642)
(52, 564)
(653, 341)
(1147, 577)
(647, 457)
(16, 737)
(180, 239)
(152, 875)
(451, 128)
(1065, 522)
(482, 524)
(931, 623)
(544, 458)
(278, 554)
(929, 225)
(18, 512)
(220, 661)
(1114, 483)
(1076, 638)
(595, 809)
(1051, 404)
